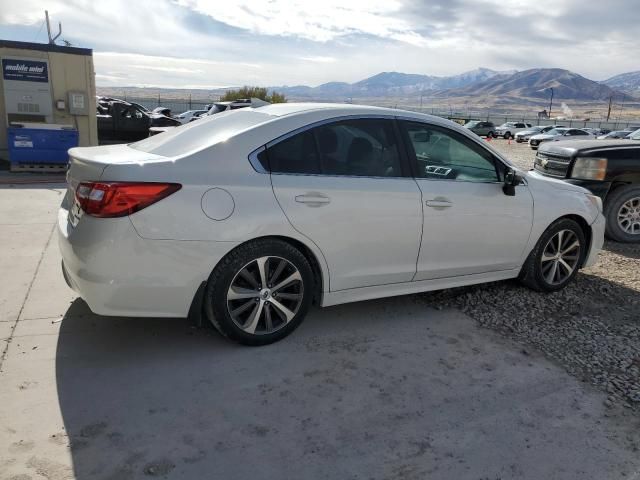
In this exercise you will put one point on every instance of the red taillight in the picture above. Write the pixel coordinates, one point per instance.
(118, 199)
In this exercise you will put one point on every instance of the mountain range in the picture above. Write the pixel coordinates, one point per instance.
(627, 82)
(533, 84)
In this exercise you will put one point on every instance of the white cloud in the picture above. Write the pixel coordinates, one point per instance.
(276, 42)
(318, 21)
(319, 59)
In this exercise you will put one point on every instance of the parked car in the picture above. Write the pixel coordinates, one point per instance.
(558, 134)
(481, 128)
(163, 111)
(120, 120)
(509, 129)
(609, 169)
(634, 135)
(525, 135)
(616, 134)
(189, 115)
(252, 215)
(217, 107)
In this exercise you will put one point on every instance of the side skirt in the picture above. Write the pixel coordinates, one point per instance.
(381, 291)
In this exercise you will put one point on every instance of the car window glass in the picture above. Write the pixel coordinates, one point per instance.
(445, 155)
(296, 154)
(363, 147)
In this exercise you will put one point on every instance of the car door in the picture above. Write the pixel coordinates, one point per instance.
(346, 187)
(470, 225)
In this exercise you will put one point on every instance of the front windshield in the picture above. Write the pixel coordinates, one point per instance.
(471, 124)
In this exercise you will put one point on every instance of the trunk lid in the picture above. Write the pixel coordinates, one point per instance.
(89, 163)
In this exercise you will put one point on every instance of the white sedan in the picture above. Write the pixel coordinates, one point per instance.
(558, 134)
(189, 115)
(253, 215)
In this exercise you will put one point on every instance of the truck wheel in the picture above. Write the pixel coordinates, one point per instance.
(622, 212)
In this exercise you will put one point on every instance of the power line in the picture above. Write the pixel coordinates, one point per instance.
(39, 30)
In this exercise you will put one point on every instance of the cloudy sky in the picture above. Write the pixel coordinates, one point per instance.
(212, 43)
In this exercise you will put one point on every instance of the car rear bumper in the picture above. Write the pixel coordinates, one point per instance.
(597, 240)
(118, 273)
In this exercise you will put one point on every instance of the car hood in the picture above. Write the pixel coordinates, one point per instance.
(528, 132)
(570, 147)
(543, 136)
(554, 183)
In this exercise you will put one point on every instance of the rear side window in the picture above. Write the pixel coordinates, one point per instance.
(362, 147)
(296, 154)
(365, 148)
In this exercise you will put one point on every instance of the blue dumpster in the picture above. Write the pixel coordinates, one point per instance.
(46, 144)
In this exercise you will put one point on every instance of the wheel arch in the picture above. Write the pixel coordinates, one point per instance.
(586, 229)
(312, 257)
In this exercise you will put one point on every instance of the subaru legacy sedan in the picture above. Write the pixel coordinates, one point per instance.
(251, 216)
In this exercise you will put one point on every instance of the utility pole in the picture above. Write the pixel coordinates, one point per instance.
(550, 102)
(609, 109)
(52, 40)
(621, 107)
(421, 95)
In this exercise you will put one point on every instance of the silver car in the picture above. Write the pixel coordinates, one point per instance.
(251, 216)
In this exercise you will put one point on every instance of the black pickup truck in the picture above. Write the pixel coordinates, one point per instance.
(120, 120)
(610, 169)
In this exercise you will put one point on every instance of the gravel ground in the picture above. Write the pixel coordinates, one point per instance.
(592, 327)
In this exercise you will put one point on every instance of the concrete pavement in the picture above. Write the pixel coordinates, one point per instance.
(381, 389)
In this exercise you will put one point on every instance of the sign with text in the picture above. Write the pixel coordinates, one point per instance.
(25, 70)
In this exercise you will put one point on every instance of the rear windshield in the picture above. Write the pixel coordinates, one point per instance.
(201, 134)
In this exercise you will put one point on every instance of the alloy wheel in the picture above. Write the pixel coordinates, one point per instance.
(629, 216)
(560, 257)
(265, 295)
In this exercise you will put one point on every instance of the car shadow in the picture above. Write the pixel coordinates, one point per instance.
(368, 388)
(631, 250)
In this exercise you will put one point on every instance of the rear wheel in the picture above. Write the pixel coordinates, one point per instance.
(556, 258)
(507, 135)
(260, 292)
(622, 212)
(491, 135)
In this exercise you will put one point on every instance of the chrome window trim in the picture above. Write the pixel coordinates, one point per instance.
(255, 163)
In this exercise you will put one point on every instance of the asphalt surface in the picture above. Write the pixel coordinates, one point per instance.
(388, 389)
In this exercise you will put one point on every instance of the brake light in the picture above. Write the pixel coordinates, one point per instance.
(118, 199)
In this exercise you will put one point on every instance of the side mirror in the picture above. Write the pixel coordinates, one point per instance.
(511, 180)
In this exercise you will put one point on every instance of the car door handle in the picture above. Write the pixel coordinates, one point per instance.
(313, 199)
(439, 203)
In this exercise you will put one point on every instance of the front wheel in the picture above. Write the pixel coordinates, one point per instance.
(556, 258)
(622, 212)
(491, 135)
(260, 292)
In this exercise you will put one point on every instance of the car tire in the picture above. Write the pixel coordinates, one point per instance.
(507, 135)
(547, 269)
(491, 135)
(621, 207)
(241, 308)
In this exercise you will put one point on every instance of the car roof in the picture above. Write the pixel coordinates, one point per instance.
(572, 146)
(195, 136)
(280, 109)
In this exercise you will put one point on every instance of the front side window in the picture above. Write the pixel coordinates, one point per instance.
(442, 154)
(362, 147)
